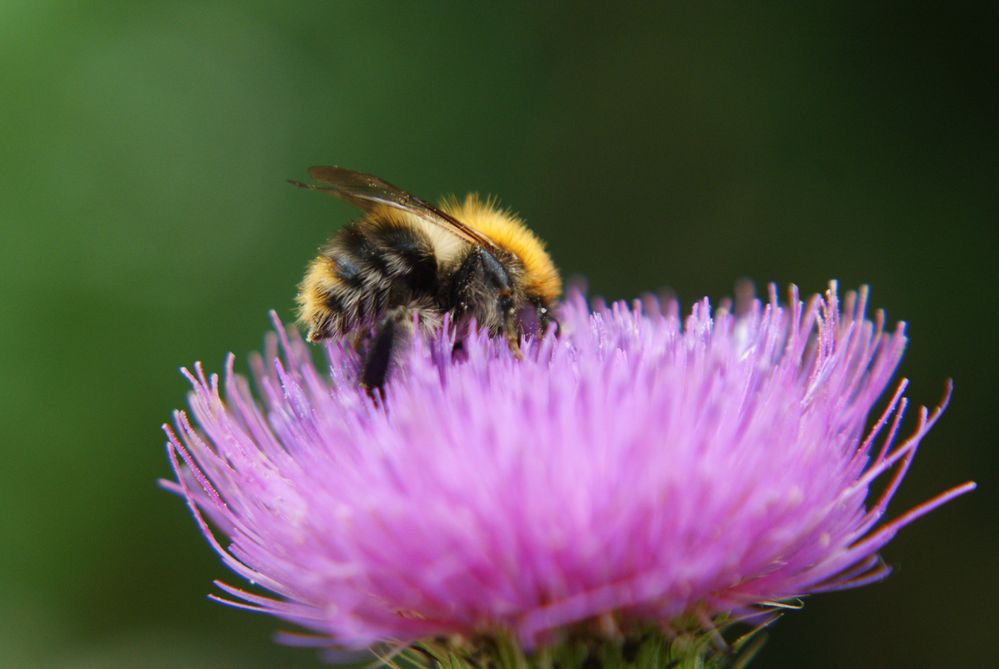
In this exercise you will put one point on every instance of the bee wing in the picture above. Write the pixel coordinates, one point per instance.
(365, 191)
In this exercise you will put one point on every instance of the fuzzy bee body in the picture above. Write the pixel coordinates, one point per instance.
(406, 258)
(361, 273)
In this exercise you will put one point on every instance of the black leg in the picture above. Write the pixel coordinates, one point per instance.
(510, 330)
(391, 331)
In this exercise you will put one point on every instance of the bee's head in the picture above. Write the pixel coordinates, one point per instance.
(536, 275)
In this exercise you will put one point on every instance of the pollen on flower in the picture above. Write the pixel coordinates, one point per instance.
(638, 471)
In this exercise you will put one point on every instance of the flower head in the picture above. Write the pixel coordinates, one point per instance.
(639, 469)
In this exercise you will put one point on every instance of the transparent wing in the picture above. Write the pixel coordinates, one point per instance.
(365, 191)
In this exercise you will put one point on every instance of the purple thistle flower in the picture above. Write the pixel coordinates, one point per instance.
(639, 470)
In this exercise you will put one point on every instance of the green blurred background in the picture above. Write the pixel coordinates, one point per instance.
(146, 223)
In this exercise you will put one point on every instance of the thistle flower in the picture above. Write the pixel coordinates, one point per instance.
(638, 477)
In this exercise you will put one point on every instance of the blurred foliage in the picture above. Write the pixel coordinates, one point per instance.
(146, 223)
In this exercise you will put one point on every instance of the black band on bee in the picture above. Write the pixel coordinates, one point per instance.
(360, 250)
(348, 270)
(410, 256)
(334, 302)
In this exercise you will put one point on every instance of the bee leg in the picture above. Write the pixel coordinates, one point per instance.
(513, 341)
(378, 359)
(510, 329)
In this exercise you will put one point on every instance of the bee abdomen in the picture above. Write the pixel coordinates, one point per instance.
(409, 257)
(364, 271)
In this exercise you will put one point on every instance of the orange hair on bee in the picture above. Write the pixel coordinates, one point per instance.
(508, 232)
(320, 281)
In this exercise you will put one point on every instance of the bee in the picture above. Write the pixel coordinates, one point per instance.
(406, 261)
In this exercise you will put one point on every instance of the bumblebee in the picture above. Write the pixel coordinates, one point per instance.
(405, 261)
